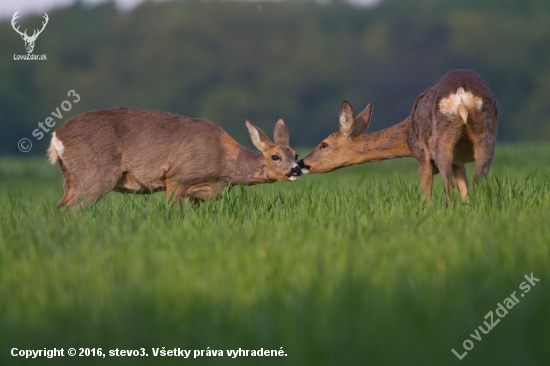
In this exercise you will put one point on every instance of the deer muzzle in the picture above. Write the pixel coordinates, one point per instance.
(303, 166)
(294, 173)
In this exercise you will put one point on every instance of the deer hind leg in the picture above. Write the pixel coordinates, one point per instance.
(91, 190)
(459, 173)
(426, 178)
(444, 149)
(444, 162)
(93, 193)
(484, 149)
(453, 129)
(482, 133)
(70, 187)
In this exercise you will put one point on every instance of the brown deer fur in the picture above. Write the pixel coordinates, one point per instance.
(143, 151)
(452, 123)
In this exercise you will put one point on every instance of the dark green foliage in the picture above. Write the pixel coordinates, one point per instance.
(296, 61)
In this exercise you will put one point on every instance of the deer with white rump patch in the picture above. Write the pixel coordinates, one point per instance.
(451, 123)
(144, 151)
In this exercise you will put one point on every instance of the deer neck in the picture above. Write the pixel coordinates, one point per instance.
(249, 168)
(389, 143)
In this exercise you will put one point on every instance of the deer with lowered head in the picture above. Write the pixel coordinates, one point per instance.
(132, 150)
(451, 123)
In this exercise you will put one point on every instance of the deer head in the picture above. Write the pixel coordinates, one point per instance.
(342, 148)
(279, 157)
(29, 41)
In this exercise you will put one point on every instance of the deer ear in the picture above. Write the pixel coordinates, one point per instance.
(362, 121)
(258, 137)
(347, 119)
(280, 135)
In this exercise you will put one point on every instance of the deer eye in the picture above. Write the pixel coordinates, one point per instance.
(275, 157)
(296, 157)
(323, 145)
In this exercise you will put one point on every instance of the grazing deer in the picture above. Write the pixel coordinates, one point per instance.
(452, 123)
(144, 151)
(29, 41)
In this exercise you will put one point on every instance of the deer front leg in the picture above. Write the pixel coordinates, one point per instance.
(459, 173)
(205, 192)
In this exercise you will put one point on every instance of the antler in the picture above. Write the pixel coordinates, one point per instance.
(24, 34)
(43, 26)
(15, 16)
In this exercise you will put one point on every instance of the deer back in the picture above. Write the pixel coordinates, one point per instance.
(153, 145)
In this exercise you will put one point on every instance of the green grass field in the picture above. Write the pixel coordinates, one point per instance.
(345, 268)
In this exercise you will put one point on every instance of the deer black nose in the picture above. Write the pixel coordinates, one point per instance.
(302, 165)
(294, 172)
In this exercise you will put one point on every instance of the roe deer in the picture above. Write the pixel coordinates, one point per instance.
(144, 151)
(452, 123)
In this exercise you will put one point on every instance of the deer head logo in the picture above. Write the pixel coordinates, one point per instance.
(29, 41)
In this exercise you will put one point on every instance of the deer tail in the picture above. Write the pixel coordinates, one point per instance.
(463, 111)
(55, 151)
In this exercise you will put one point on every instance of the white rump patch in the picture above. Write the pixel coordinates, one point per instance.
(461, 102)
(56, 149)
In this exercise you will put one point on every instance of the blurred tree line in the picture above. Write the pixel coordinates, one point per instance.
(229, 61)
